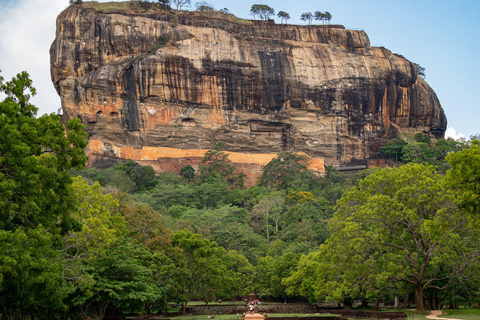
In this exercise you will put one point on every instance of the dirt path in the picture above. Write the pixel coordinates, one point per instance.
(435, 313)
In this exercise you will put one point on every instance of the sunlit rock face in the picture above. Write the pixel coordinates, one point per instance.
(156, 79)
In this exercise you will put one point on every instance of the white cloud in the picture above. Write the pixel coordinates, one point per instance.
(28, 29)
(452, 133)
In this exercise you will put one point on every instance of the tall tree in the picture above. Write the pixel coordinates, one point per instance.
(420, 70)
(35, 201)
(394, 149)
(238, 280)
(204, 7)
(307, 16)
(164, 3)
(199, 269)
(320, 16)
(398, 225)
(284, 16)
(270, 271)
(269, 209)
(262, 11)
(123, 276)
(32, 282)
(215, 165)
(287, 171)
(327, 17)
(142, 176)
(101, 223)
(181, 3)
(465, 176)
(35, 156)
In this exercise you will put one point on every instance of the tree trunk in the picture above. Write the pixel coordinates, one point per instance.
(406, 302)
(183, 307)
(364, 304)
(419, 297)
(397, 301)
(268, 232)
(102, 306)
(376, 307)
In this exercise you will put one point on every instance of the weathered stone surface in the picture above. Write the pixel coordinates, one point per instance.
(258, 88)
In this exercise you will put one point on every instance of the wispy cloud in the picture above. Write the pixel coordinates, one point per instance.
(28, 29)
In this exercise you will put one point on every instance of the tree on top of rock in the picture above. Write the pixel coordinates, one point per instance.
(181, 3)
(319, 16)
(327, 17)
(420, 70)
(262, 11)
(284, 16)
(307, 16)
(164, 3)
(204, 6)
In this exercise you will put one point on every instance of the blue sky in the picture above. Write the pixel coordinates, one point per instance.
(442, 36)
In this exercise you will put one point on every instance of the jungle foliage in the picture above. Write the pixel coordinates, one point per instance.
(76, 241)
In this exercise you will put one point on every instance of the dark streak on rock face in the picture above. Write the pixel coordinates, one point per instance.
(238, 81)
(275, 70)
(130, 111)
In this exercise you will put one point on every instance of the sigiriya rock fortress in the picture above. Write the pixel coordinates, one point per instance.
(161, 87)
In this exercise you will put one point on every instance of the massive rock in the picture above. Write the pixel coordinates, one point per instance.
(160, 87)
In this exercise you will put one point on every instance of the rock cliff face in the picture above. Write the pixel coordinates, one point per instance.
(153, 79)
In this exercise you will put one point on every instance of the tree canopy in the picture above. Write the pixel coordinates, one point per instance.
(465, 175)
(284, 16)
(262, 11)
(35, 156)
(36, 201)
(400, 225)
(181, 3)
(420, 70)
(287, 170)
(307, 16)
(125, 237)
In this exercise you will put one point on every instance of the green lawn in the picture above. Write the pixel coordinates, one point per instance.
(466, 314)
(223, 303)
(205, 317)
(300, 315)
(234, 316)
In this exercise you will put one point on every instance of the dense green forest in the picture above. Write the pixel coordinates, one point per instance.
(75, 240)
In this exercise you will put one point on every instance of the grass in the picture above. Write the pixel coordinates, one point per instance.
(300, 315)
(223, 303)
(109, 6)
(234, 316)
(143, 6)
(205, 317)
(466, 314)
